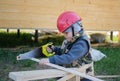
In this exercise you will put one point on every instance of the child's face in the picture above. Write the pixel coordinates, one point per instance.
(68, 35)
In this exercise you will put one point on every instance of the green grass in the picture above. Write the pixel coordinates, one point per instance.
(9, 63)
(107, 66)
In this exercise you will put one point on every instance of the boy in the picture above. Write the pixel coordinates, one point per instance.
(74, 51)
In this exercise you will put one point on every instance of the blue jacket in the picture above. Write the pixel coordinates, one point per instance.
(78, 49)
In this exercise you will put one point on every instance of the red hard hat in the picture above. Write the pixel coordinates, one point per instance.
(66, 19)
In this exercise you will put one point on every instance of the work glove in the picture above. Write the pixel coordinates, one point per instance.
(48, 50)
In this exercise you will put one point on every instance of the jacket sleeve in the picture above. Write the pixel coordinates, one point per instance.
(78, 50)
(57, 50)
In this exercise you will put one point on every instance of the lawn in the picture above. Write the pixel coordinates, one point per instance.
(107, 66)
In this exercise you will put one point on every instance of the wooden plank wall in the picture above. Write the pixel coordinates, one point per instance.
(42, 14)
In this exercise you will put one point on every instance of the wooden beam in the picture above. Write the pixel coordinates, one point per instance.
(107, 76)
(81, 69)
(67, 77)
(39, 14)
(33, 75)
(36, 74)
(40, 74)
(43, 74)
(69, 71)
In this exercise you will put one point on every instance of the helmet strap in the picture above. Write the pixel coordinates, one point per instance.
(80, 34)
(73, 32)
(79, 24)
(74, 37)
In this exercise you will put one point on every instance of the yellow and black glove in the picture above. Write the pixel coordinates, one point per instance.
(48, 50)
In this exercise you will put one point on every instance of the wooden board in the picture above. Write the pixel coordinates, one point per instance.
(48, 73)
(42, 14)
(36, 74)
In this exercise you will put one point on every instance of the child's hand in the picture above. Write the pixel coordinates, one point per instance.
(48, 50)
(44, 61)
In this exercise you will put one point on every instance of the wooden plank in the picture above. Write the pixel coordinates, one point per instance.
(96, 14)
(66, 77)
(69, 71)
(81, 69)
(33, 75)
(41, 74)
(107, 76)
(27, 24)
(77, 78)
(36, 74)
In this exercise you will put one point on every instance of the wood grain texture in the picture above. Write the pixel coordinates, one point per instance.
(96, 14)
